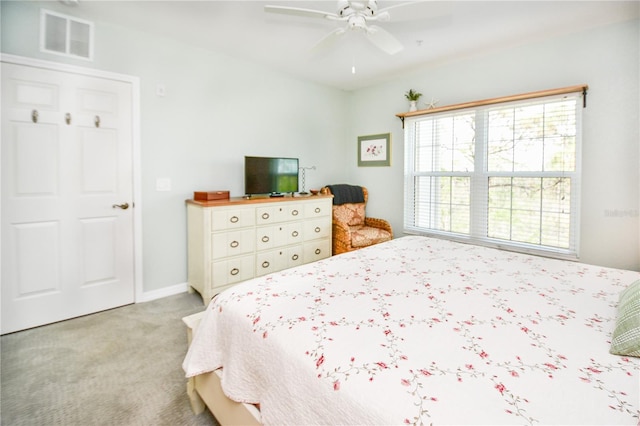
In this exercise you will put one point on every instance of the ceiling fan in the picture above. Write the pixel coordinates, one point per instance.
(357, 15)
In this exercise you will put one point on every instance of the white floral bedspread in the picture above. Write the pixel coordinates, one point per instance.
(424, 331)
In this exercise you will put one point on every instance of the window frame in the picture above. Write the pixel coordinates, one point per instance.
(479, 184)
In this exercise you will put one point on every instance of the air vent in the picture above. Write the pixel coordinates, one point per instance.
(65, 35)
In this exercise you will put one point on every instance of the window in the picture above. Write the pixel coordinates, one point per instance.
(503, 174)
(65, 35)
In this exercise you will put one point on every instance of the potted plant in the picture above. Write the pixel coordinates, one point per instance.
(413, 98)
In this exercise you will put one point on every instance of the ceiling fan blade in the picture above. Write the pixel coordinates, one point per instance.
(384, 40)
(419, 10)
(328, 41)
(408, 3)
(383, 15)
(297, 11)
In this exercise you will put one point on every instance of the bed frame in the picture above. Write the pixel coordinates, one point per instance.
(205, 391)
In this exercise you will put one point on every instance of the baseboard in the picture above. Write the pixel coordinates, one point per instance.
(148, 296)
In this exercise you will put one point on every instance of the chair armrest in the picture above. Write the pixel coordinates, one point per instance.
(341, 241)
(341, 231)
(378, 223)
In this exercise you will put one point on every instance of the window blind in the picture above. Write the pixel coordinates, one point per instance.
(503, 174)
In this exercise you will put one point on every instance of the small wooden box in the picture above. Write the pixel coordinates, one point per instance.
(210, 195)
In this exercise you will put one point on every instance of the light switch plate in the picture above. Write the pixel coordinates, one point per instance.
(163, 184)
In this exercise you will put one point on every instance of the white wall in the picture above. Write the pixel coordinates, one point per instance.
(607, 59)
(216, 110)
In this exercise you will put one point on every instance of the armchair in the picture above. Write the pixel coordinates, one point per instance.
(352, 230)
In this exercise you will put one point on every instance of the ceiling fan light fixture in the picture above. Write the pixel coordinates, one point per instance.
(344, 8)
(372, 7)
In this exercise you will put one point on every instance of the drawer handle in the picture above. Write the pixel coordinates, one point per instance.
(318, 251)
(265, 264)
(294, 213)
(317, 210)
(234, 219)
(294, 257)
(235, 271)
(294, 234)
(265, 216)
(317, 229)
(234, 244)
(265, 239)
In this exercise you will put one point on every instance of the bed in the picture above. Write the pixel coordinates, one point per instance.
(420, 330)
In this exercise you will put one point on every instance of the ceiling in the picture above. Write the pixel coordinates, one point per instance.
(431, 31)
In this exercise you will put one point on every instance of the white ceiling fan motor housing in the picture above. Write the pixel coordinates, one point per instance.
(357, 22)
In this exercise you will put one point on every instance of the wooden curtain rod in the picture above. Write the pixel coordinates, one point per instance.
(531, 95)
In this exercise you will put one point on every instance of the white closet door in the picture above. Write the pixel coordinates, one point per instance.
(66, 162)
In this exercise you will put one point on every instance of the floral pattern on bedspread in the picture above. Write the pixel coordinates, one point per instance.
(435, 332)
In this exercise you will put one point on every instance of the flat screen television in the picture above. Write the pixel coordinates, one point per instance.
(270, 175)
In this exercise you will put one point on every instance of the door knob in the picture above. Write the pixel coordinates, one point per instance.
(121, 206)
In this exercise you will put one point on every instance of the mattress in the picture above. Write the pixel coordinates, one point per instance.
(421, 330)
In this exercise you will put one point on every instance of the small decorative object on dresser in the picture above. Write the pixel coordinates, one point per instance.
(239, 239)
(303, 174)
(210, 195)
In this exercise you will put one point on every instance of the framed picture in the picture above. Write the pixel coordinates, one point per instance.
(374, 150)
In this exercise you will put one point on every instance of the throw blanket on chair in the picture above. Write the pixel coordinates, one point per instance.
(343, 194)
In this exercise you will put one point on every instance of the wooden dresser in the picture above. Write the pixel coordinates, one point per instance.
(234, 240)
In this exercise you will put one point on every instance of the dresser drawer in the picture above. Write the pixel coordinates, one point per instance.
(278, 235)
(280, 213)
(231, 271)
(276, 260)
(222, 218)
(317, 209)
(319, 228)
(316, 250)
(232, 243)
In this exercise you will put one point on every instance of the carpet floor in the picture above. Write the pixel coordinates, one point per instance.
(117, 367)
